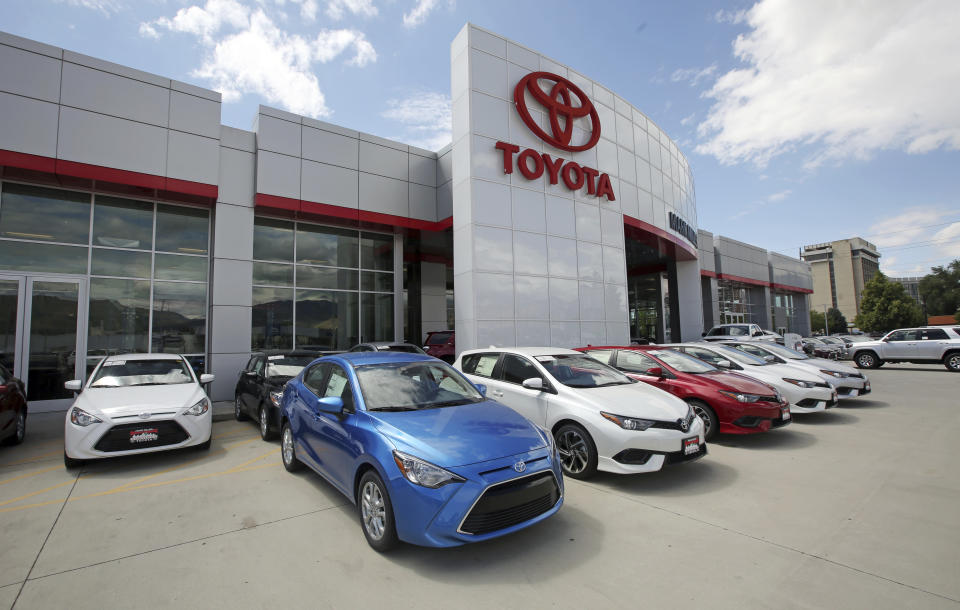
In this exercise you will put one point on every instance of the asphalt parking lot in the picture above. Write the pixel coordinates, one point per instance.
(858, 507)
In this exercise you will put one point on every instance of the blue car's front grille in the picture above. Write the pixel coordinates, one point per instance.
(511, 503)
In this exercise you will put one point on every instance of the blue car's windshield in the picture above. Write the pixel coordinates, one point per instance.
(407, 386)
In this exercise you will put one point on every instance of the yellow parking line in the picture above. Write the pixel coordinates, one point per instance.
(34, 493)
(31, 474)
(177, 467)
(265, 455)
(35, 458)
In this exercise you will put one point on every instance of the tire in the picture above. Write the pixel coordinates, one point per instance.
(264, 423)
(376, 513)
(711, 423)
(69, 462)
(20, 431)
(580, 461)
(867, 360)
(289, 454)
(952, 362)
(238, 411)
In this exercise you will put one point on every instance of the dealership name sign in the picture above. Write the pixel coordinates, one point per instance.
(680, 226)
(562, 114)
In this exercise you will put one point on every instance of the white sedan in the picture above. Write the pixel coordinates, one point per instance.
(600, 418)
(137, 403)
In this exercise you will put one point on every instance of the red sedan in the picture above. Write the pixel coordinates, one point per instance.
(725, 401)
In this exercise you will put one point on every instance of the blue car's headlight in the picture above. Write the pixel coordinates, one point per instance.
(423, 473)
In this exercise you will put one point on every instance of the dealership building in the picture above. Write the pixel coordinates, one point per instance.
(131, 220)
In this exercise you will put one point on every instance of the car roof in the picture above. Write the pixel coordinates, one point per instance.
(143, 357)
(296, 352)
(526, 351)
(384, 343)
(363, 358)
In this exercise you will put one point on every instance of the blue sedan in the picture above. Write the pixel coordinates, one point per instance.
(420, 451)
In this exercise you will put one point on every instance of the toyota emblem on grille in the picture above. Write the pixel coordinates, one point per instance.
(520, 466)
(684, 424)
(144, 415)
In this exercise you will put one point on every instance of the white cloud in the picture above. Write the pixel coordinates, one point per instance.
(337, 9)
(775, 197)
(248, 53)
(426, 117)
(693, 75)
(107, 7)
(688, 119)
(723, 16)
(845, 79)
(308, 9)
(419, 13)
(926, 234)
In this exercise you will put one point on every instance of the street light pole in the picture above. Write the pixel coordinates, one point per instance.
(826, 324)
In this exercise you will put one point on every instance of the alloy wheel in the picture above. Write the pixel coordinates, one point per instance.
(573, 451)
(865, 360)
(21, 426)
(264, 423)
(953, 362)
(287, 446)
(372, 507)
(705, 418)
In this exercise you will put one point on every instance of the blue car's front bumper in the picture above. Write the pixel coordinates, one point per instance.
(435, 517)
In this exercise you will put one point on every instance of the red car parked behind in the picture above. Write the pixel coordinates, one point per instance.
(441, 344)
(725, 401)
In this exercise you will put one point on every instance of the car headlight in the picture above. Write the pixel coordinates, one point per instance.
(741, 397)
(833, 373)
(420, 472)
(81, 418)
(628, 423)
(276, 397)
(800, 382)
(198, 409)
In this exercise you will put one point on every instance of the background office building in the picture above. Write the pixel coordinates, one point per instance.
(132, 220)
(840, 270)
(911, 285)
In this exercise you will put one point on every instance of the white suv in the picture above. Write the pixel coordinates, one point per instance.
(739, 332)
(924, 345)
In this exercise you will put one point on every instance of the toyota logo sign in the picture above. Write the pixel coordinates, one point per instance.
(559, 106)
(563, 113)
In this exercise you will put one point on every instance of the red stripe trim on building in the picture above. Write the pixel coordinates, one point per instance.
(314, 208)
(788, 288)
(73, 169)
(649, 228)
(708, 273)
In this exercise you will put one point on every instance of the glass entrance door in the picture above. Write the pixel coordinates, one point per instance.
(42, 327)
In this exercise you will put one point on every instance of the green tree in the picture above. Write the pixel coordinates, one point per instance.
(940, 289)
(836, 321)
(816, 321)
(885, 305)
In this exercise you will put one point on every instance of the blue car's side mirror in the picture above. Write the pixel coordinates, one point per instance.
(330, 404)
(482, 389)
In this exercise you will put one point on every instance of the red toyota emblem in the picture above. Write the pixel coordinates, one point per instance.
(558, 102)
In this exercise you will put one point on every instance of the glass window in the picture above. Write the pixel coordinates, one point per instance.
(707, 356)
(635, 362)
(122, 223)
(313, 378)
(376, 282)
(377, 316)
(603, 355)
(376, 251)
(179, 317)
(272, 318)
(272, 240)
(582, 371)
(251, 364)
(50, 258)
(414, 385)
(326, 246)
(439, 338)
(181, 229)
(683, 362)
(9, 306)
(516, 369)
(935, 334)
(32, 212)
(326, 320)
(120, 263)
(119, 316)
(480, 364)
(338, 386)
(326, 277)
(183, 268)
(273, 274)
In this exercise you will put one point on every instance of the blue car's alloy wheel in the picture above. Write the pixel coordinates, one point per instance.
(288, 453)
(376, 513)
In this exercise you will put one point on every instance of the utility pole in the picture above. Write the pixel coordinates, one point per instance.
(826, 323)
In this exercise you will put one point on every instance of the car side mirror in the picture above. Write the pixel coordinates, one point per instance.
(207, 378)
(656, 371)
(757, 333)
(724, 364)
(481, 388)
(330, 404)
(534, 383)
(770, 358)
(74, 385)
(250, 373)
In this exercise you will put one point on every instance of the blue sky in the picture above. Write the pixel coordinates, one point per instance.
(803, 121)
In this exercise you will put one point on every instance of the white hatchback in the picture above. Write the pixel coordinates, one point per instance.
(600, 418)
(137, 403)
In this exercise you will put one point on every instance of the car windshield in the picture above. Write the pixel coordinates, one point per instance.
(286, 366)
(755, 350)
(683, 362)
(438, 338)
(581, 371)
(732, 331)
(738, 356)
(118, 373)
(785, 352)
(409, 386)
